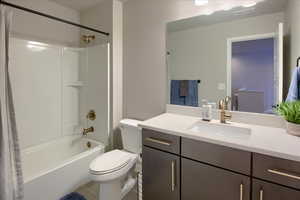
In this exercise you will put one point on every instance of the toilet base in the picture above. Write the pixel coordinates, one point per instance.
(110, 190)
(114, 190)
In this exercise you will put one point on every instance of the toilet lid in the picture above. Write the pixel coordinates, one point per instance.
(110, 162)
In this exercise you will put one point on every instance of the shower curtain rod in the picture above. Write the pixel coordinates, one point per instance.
(52, 17)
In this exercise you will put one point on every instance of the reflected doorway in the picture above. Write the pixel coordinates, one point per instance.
(253, 75)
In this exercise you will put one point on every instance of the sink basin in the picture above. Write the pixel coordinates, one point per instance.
(229, 129)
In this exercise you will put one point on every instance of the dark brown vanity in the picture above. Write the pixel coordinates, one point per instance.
(177, 168)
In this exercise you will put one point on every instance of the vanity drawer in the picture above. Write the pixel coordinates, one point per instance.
(221, 156)
(162, 141)
(262, 190)
(284, 172)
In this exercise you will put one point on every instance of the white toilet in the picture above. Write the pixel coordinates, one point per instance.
(115, 170)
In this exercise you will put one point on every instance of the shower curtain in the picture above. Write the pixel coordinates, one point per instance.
(11, 180)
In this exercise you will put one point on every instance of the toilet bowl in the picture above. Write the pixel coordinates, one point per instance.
(115, 170)
(112, 165)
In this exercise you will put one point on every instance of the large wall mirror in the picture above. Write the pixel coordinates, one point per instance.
(246, 52)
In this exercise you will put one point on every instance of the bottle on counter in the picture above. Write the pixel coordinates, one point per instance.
(206, 111)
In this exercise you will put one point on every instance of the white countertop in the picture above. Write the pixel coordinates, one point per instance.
(265, 140)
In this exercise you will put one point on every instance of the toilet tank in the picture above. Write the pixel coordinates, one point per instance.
(131, 135)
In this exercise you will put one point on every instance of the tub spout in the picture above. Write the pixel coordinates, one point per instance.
(88, 130)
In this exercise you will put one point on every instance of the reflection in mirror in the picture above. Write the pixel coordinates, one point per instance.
(246, 53)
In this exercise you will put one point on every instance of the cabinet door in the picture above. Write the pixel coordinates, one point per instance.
(161, 175)
(205, 182)
(268, 191)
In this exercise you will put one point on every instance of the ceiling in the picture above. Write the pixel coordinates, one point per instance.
(237, 12)
(78, 5)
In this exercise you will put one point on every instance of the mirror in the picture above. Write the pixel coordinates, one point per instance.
(247, 52)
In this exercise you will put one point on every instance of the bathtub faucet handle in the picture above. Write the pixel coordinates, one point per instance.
(88, 130)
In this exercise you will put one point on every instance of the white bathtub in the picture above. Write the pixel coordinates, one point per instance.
(57, 168)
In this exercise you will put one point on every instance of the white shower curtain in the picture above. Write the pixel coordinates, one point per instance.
(11, 180)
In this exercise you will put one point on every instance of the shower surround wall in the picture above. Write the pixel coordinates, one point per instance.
(55, 79)
(44, 124)
(100, 17)
(53, 88)
(59, 86)
(38, 106)
(46, 104)
(108, 16)
(52, 112)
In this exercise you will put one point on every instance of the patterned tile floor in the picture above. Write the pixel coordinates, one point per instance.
(91, 190)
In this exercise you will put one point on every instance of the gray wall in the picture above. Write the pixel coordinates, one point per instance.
(145, 84)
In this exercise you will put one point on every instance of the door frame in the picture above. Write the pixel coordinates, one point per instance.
(230, 41)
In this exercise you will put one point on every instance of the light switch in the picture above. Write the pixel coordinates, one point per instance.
(221, 86)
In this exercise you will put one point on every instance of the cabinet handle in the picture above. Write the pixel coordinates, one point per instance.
(241, 191)
(283, 173)
(150, 139)
(261, 194)
(173, 182)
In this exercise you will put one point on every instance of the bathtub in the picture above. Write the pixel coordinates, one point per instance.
(54, 169)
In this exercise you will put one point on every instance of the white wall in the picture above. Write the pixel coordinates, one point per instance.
(30, 26)
(201, 53)
(99, 17)
(145, 73)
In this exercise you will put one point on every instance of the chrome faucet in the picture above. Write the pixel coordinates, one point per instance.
(223, 106)
(88, 130)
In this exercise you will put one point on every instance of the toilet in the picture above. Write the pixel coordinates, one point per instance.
(116, 170)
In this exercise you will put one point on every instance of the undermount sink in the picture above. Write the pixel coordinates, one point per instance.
(229, 129)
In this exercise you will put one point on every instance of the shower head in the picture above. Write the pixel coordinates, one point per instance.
(88, 38)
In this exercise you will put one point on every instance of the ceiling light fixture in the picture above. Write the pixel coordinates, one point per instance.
(33, 47)
(36, 46)
(201, 2)
(227, 7)
(208, 12)
(249, 4)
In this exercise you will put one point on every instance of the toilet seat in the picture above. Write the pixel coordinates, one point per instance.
(110, 162)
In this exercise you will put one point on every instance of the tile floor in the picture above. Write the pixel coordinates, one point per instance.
(91, 190)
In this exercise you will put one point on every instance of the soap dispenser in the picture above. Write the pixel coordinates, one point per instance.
(206, 111)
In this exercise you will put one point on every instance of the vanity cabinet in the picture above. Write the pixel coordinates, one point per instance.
(161, 175)
(177, 168)
(161, 141)
(277, 170)
(201, 181)
(217, 155)
(262, 190)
